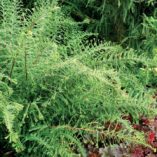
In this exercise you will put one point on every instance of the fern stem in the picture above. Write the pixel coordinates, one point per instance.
(26, 72)
(12, 68)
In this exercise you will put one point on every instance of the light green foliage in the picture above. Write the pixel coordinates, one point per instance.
(54, 82)
(9, 111)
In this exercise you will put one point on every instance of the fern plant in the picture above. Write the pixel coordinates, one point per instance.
(56, 85)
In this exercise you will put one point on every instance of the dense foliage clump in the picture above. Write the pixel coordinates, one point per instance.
(71, 71)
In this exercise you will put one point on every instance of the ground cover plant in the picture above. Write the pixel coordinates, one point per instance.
(70, 86)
